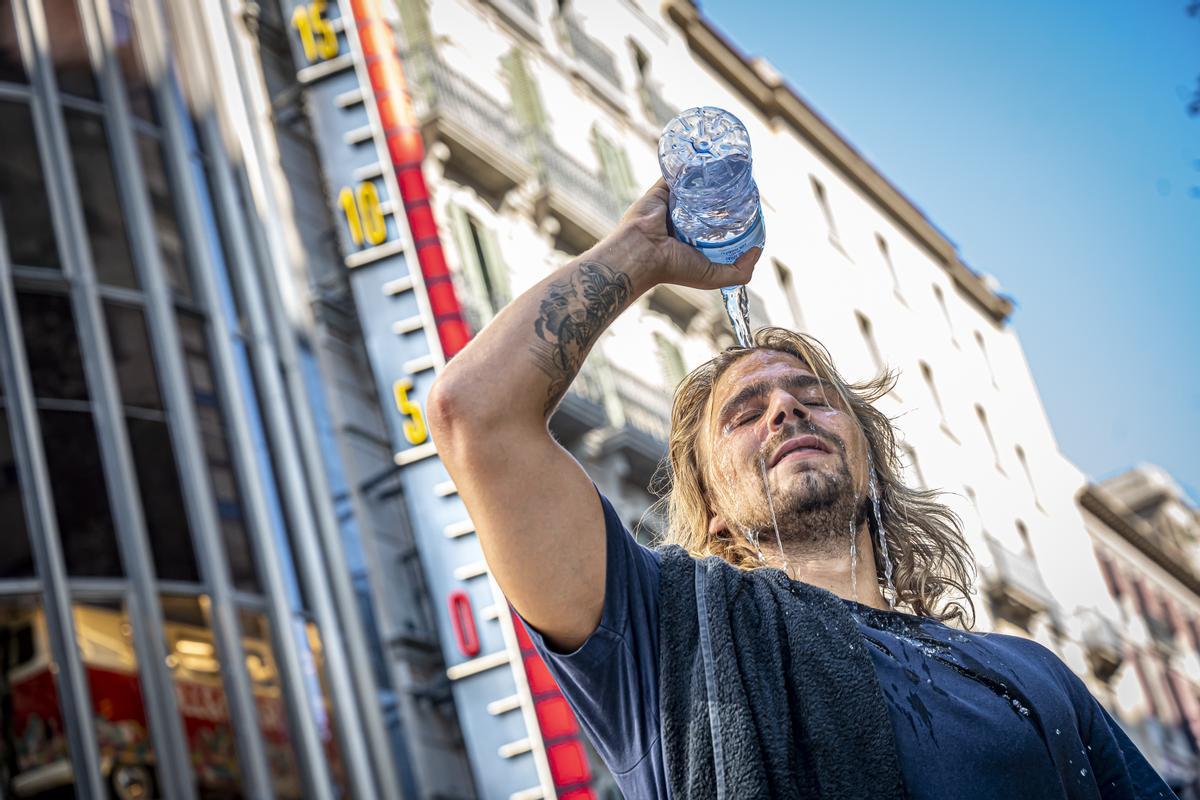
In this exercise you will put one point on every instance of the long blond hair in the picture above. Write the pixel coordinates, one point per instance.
(933, 568)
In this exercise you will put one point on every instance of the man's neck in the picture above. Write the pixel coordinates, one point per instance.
(833, 568)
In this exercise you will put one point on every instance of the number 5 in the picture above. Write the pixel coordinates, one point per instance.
(414, 427)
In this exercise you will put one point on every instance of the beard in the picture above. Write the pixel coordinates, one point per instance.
(816, 508)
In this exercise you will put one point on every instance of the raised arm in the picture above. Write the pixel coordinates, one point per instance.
(536, 514)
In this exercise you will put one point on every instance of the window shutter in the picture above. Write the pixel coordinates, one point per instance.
(414, 19)
(497, 270)
(526, 101)
(614, 167)
(466, 278)
(674, 370)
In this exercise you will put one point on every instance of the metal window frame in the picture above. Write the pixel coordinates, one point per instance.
(166, 725)
(195, 485)
(74, 696)
(291, 428)
(190, 42)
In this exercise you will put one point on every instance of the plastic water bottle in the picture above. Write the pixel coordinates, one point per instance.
(704, 154)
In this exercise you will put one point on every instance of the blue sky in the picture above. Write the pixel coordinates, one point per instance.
(1051, 143)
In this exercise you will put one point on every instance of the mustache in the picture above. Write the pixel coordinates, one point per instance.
(801, 427)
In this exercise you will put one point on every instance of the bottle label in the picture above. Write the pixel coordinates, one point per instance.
(728, 251)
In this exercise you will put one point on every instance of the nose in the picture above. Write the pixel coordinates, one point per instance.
(783, 406)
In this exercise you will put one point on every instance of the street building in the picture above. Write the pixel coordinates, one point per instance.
(1146, 533)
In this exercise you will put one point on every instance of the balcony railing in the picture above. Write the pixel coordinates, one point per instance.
(657, 109)
(480, 131)
(641, 405)
(1102, 644)
(1017, 585)
(580, 198)
(522, 14)
(598, 58)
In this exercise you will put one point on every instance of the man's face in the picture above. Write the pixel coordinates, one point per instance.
(769, 412)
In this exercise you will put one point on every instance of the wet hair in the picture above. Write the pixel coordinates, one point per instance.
(933, 568)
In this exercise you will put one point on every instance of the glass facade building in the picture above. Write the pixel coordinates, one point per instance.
(172, 619)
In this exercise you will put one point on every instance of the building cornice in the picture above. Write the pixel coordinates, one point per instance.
(775, 100)
(1101, 505)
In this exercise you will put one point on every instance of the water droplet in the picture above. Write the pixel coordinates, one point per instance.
(1057, 732)
(883, 547)
(853, 563)
(1083, 772)
(762, 463)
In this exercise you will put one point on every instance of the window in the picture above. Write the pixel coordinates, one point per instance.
(162, 499)
(673, 366)
(1109, 570)
(911, 468)
(196, 671)
(526, 100)
(68, 49)
(130, 345)
(614, 168)
(166, 223)
(657, 109)
(927, 374)
(987, 430)
(16, 559)
(788, 284)
(941, 298)
(150, 445)
(77, 481)
(133, 71)
(102, 211)
(1023, 535)
(864, 327)
(986, 359)
(23, 199)
(52, 347)
(215, 441)
(482, 269)
(823, 202)
(264, 677)
(1024, 462)
(970, 492)
(11, 66)
(886, 254)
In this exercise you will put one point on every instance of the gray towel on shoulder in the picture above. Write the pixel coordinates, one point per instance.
(795, 705)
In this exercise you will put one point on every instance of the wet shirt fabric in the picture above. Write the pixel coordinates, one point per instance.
(983, 716)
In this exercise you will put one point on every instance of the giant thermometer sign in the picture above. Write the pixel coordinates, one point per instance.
(522, 741)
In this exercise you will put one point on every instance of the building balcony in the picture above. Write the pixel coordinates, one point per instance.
(1161, 632)
(619, 413)
(521, 14)
(1015, 586)
(639, 423)
(483, 144)
(578, 200)
(657, 109)
(584, 408)
(595, 63)
(1102, 644)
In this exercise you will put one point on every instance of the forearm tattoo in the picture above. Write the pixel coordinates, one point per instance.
(571, 317)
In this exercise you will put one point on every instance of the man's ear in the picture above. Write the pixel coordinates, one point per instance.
(716, 524)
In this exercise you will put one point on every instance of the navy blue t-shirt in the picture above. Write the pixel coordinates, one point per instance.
(985, 716)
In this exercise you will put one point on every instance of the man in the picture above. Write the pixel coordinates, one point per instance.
(758, 654)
